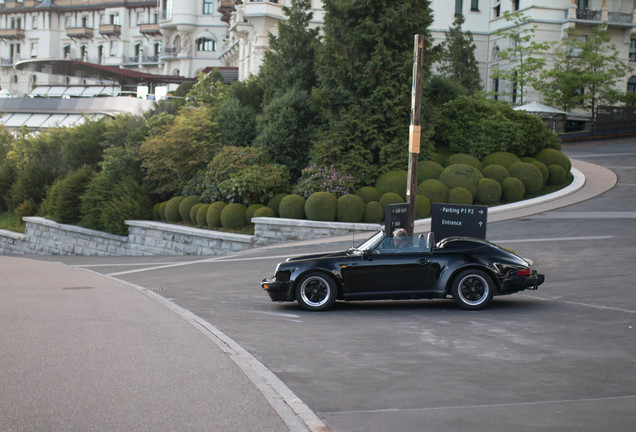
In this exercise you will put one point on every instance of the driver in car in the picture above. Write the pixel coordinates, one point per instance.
(400, 238)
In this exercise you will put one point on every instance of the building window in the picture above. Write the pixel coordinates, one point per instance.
(474, 5)
(112, 51)
(631, 85)
(458, 7)
(34, 49)
(204, 44)
(515, 5)
(632, 50)
(16, 23)
(66, 51)
(515, 89)
(496, 11)
(208, 7)
(34, 21)
(495, 88)
(113, 19)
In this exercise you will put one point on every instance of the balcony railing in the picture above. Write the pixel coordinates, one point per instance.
(79, 32)
(149, 28)
(11, 34)
(110, 29)
(169, 52)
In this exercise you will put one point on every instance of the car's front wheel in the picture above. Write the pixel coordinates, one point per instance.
(472, 289)
(316, 292)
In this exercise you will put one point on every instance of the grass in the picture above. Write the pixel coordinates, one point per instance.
(12, 222)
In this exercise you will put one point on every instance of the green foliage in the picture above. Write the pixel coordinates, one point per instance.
(513, 189)
(324, 179)
(530, 175)
(129, 201)
(186, 205)
(236, 123)
(434, 190)
(551, 156)
(172, 209)
(63, 197)
(462, 175)
(162, 210)
(440, 90)
(213, 216)
(350, 208)
(557, 175)
(193, 212)
(390, 198)
(503, 158)
(496, 172)
(292, 207)
(274, 202)
(392, 181)
(156, 213)
(249, 213)
(233, 216)
(457, 57)
(321, 206)
(264, 212)
(202, 215)
(83, 144)
(428, 170)
(98, 192)
(463, 158)
(422, 207)
(542, 167)
(373, 212)
(368, 194)
(207, 91)
(27, 208)
(488, 191)
(460, 195)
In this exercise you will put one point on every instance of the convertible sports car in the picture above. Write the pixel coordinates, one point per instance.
(469, 270)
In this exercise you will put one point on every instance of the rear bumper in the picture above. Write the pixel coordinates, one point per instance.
(277, 290)
(520, 283)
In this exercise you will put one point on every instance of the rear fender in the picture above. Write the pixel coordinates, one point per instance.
(443, 284)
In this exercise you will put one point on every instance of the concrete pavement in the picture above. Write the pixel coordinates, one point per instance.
(81, 351)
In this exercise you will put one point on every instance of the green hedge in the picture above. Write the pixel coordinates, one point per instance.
(321, 206)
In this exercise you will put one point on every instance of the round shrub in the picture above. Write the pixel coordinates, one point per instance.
(368, 194)
(373, 212)
(460, 195)
(505, 159)
(321, 206)
(463, 158)
(249, 213)
(434, 190)
(186, 205)
(172, 209)
(193, 212)
(557, 175)
(496, 172)
(529, 174)
(264, 212)
(202, 214)
(440, 155)
(513, 189)
(488, 191)
(156, 215)
(428, 170)
(540, 165)
(463, 175)
(350, 208)
(233, 216)
(392, 181)
(422, 207)
(162, 210)
(390, 198)
(550, 156)
(292, 207)
(274, 203)
(213, 216)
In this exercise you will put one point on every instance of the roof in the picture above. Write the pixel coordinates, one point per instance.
(539, 108)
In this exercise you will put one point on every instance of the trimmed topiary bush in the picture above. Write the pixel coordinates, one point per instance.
(292, 207)
(264, 212)
(513, 189)
(463, 158)
(274, 203)
(162, 210)
(373, 212)
(496, 172)
(461, 175)
(233, 216)
(155, 212)
(186, 205)
(368, 194)
(529, 174)
(488, 191)
(434, 190)
(460, 195)
(440, 155)
(505, 159)
(550, 156)
(172, 209)
(193, 212)
(557, 175)
(249, 214)
(540, 165)
(422, 207)
(428, 170)
(350, 208)
(321, 206)
(202, 214)
(392, 181)
(390, 198)
(213, 216)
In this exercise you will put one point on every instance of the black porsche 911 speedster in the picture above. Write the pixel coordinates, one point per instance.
(469, 270)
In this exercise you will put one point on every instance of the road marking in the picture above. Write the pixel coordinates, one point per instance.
(530, 240)
(586, 215)
(595, 155)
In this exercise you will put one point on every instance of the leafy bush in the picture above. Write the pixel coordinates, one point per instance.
(249, 213)
(162, 210)
(392, 181)
(27, 208)
(274, 202)
(496, 172)
(321, 206)
(463, 158)
(513, 189)
(557, 175)
(233, 216)
(550, 156)
(390, 198)
(422, 207)
(462, 175)
(460, 195)
(186, 205)
(324, 179)
(530, 175)
(488, 191)
(540, 165)
(130, 201)
(213, 216)
(368, 194)
(292, 207)
(172, 209)
(350, 208)
(434, 190)
(503, 158)
(264, 212)
(202, 215)
(63, 198)
(373, 212)
(428, 170)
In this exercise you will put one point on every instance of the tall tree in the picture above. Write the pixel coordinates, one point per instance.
(365, 69)
(457, 56)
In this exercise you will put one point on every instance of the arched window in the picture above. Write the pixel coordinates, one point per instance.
(205, 44)
(631, 85)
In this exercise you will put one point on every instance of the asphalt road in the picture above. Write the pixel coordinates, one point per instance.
(560, 358)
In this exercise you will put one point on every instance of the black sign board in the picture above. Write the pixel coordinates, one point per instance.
(396, 216)
(449, 220)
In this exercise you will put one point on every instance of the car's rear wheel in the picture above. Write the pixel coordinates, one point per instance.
(316, 291)
(472, 289)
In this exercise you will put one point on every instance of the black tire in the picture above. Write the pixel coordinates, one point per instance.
(472, 289)
(316, 291)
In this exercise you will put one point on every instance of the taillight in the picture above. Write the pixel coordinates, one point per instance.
(524, 272)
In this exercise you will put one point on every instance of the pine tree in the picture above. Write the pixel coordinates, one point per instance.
(457, 57)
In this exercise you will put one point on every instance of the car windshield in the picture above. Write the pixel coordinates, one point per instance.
(380, 244)
(372, 242)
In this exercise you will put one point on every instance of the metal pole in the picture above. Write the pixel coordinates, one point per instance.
(415, 130)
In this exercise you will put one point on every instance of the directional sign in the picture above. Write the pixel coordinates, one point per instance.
(396, 216)
(448, 220)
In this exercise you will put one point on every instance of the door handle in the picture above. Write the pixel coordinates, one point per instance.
(423, 262)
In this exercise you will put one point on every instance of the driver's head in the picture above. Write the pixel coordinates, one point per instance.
(400, 238)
